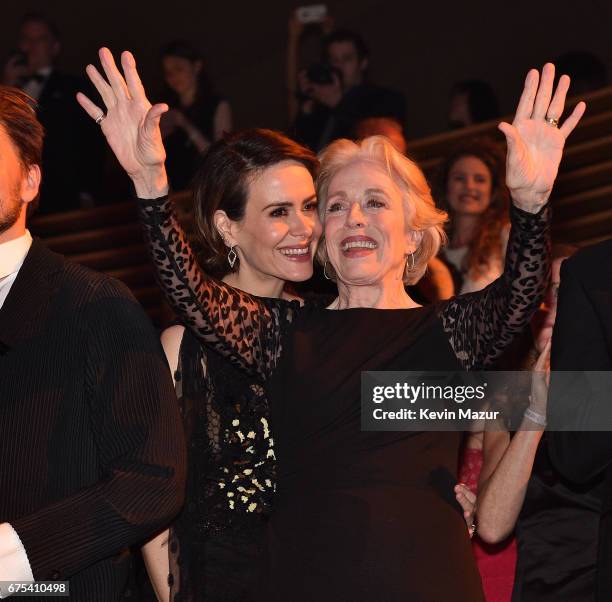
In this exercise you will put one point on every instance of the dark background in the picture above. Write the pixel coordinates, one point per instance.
(420, 48)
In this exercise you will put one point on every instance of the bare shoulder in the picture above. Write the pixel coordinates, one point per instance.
(171, 342)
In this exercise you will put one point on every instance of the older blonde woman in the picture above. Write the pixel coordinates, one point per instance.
(358, 515)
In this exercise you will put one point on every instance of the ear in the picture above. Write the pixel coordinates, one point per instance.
(225, 226)
(30, 184)
(413, 241)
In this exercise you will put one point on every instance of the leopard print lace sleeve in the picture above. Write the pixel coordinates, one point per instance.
(480, 325)
(247, 330)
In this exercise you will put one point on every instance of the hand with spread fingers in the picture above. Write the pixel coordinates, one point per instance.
(130, 124)
(535, 140)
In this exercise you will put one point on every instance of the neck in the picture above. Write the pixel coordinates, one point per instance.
(388, 294)
(187, 98)
(465, 229)
(256, 284)
(17, 230)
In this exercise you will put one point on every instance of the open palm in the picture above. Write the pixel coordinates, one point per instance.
(131, 124)
(535, 144)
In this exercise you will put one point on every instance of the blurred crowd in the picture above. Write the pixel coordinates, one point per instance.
(330, 96)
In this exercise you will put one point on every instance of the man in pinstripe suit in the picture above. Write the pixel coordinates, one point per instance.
(92, 455)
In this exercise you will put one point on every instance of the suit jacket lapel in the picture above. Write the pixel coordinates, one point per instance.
(23, 312)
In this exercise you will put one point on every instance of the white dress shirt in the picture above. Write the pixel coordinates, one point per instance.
(14, 563)
(33, 87)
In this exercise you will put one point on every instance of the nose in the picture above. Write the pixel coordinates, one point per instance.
(355, 217)
(302, 225)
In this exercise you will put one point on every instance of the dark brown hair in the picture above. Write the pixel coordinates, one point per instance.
(223, 178)
(487, 243)
(18, 118)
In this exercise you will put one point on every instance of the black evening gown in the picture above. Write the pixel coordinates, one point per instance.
(219, 538)
(359, 516)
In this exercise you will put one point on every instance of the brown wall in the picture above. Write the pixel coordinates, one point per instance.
(420, 48)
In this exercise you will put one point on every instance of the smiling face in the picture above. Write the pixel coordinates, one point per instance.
(469, 186)
(366, 225)
(279, 232)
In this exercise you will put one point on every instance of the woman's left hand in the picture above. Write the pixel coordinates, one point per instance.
(535, 144)
(467, 499)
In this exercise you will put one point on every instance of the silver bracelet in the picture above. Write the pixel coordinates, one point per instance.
(535, 417)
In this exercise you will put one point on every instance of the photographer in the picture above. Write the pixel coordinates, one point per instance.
(334, 95)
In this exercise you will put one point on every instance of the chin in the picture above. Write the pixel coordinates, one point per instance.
(297, 275)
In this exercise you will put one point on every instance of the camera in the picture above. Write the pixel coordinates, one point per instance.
(322, 74)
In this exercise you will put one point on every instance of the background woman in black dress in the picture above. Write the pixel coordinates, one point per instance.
(343, 526)
(197, 116)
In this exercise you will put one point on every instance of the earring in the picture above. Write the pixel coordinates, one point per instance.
(409, 269)
(325, 271)
(232, 256)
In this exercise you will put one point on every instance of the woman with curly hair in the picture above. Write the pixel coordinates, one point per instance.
(473, 191)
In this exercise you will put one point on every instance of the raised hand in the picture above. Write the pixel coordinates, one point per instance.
(131, 123)
(535, 143)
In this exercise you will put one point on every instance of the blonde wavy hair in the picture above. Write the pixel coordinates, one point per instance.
(426, 219)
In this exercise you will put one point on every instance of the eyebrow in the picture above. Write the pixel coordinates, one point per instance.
(376, 191)
(288, 203)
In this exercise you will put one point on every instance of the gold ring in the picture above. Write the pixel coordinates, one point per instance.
(552, 121)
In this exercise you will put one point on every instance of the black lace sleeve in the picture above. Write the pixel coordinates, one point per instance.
(248, 330)
(480, 325)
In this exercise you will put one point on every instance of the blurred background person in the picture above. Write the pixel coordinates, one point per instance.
(471, 188)
(335, 94)
(382, 126)
(472, 101)
(197, 116)
(71, 177)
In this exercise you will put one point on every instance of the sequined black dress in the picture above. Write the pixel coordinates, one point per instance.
(217, 541)
(358, 515)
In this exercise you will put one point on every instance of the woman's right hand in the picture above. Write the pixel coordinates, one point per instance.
(131, 124)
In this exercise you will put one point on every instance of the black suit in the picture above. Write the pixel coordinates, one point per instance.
(91, 446)
(73, 147)
(582, 341)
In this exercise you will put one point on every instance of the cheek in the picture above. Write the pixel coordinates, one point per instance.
(266, 235)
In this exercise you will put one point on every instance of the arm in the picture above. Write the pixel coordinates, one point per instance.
(578, 345)
(245, 329)
(155, 551)
(503, 483)
(138, 434)
(480, 325)
(508, 463)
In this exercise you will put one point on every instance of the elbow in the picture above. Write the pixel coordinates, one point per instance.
(166, 500)
(492, 531)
